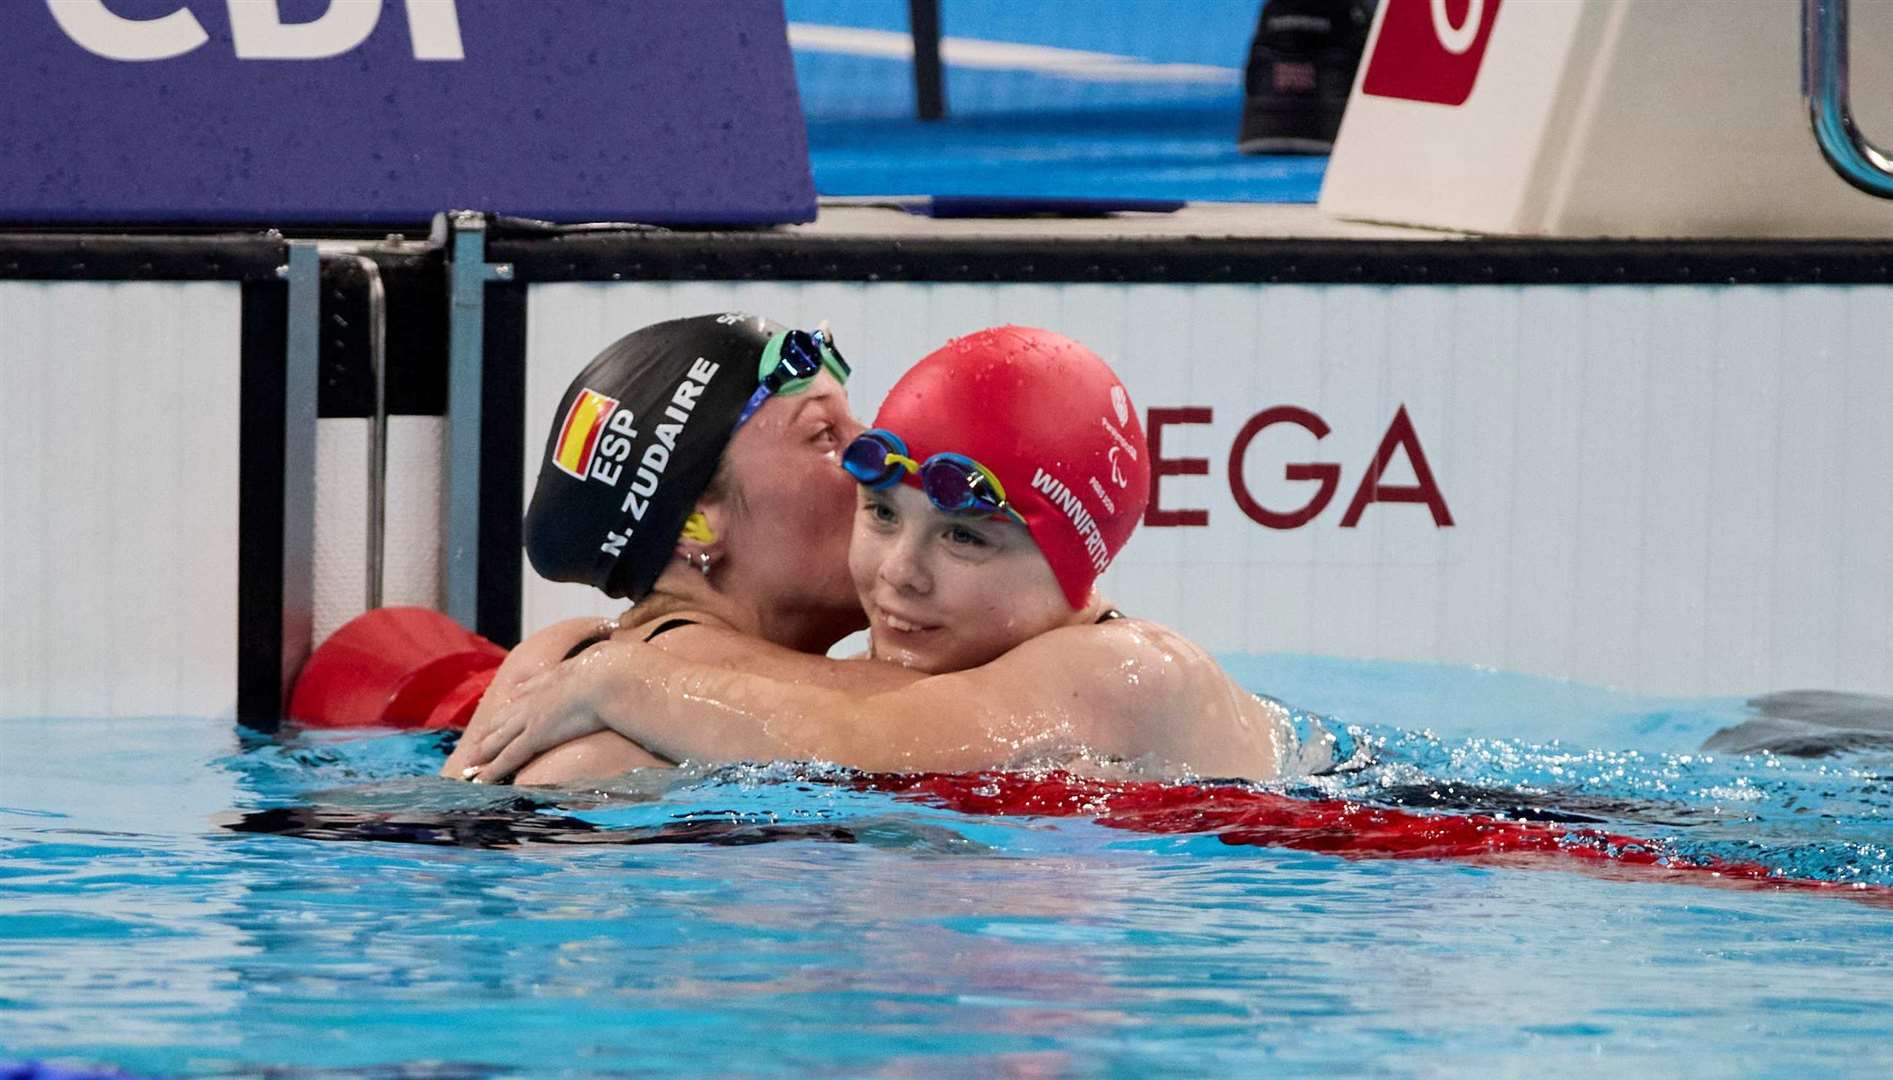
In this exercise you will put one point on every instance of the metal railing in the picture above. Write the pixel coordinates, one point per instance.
(377, 539)
(1825, 86)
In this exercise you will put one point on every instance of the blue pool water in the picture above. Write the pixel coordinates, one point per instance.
(1020, 125)
(792, 924)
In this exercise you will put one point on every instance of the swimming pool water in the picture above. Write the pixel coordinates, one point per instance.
(1018, 128)
(785, 921)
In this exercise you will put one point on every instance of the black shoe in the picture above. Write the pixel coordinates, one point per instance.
(1301, 67)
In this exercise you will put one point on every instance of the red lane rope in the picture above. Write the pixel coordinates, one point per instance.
(1247, 817)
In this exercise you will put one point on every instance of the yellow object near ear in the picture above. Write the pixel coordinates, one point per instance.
(697, 527)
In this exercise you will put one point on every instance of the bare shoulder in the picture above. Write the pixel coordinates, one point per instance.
(544, 648)
(1132, 656)
(1153, 690)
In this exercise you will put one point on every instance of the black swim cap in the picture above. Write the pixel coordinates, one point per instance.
(637, 437)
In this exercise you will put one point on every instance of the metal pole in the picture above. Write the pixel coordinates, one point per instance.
(301, 379)
(378, 432)
(468, 274)
(1824, 85)
(923, 21)
(466, 347)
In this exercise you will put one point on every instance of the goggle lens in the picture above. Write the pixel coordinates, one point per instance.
(951, 487)
(959, 485)
(866, 458)
(799, 358)
(954, 483)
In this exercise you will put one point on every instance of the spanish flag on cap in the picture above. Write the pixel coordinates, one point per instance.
(578, 437)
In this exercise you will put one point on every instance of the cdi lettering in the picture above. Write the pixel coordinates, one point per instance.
(1400, 437)
(257, 30)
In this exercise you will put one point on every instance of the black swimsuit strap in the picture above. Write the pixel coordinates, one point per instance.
(664, 627)
(587, 643)
(667, 626)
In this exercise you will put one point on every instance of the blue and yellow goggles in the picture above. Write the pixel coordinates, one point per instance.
(954, 483)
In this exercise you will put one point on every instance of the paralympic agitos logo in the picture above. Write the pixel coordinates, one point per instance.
(1400, 439)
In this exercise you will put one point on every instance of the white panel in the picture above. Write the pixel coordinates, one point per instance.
(410, 569)
(1806, 487)
(410, 573)
(1677, 457)
(1865, 516)
(1674, 489)
(341, 522)
(1540, 553)
(24, 483)
(1609, 495)
(119, 408)
(1745, 427)
(1477, 469)
(879, 347)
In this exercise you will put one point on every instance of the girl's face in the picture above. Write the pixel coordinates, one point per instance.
(945, 592)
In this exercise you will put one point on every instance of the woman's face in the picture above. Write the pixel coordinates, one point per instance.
(945, 592)
(791, 529)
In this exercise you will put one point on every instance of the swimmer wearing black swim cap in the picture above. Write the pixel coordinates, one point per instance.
(694, 469)
(638, 436)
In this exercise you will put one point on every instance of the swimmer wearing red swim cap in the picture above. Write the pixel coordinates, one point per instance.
(1005, 457)
(1002, 475)
(1053, 424)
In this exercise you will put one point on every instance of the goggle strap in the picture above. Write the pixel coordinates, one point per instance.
(771, 356)
(749, 407)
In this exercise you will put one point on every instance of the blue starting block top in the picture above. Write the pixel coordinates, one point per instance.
(387, 111)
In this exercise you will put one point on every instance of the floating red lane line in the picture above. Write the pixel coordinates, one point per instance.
(1246, 817)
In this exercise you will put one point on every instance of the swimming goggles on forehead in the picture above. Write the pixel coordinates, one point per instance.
(955, 483)
(790, 361)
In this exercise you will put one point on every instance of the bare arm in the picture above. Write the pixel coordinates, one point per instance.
(733, 651)
(1078, 688)
(606, 752)
(536, 654)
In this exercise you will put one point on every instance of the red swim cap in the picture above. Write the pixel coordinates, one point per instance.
(1052, 422)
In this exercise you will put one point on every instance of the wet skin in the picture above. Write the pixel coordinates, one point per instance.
(945, 592)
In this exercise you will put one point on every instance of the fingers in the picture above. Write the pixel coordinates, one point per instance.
(511, 725)
(509, 761)
(508, 725)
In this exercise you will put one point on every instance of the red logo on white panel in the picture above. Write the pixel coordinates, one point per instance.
(1430, 50)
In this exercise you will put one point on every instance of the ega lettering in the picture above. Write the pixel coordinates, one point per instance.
(1400, 438)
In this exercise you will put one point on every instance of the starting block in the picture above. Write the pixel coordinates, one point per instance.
(1649, 118)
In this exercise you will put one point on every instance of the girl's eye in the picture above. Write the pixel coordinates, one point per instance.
(825, 436)
(963, 536)
(880, 512)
